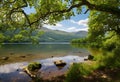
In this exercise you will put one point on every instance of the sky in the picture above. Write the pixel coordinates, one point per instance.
(75, 24)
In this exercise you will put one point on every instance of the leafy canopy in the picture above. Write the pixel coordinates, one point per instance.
(16, 24)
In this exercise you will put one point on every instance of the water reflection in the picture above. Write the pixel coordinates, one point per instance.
(14, 72)
(46, 54)
(29, 52)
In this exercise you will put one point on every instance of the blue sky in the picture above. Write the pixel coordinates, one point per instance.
(76, 23)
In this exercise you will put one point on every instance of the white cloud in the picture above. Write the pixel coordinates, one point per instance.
(53, 27)
(59, 25)
(75, 29)
(80, 22)
(74, 26)
(83, 29)
(72, 21)
(83, 22)
(71, 29)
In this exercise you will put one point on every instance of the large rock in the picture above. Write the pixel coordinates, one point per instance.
(34, 66)
(60, 63)
(90, 57)
(31, 74)
(32, 69)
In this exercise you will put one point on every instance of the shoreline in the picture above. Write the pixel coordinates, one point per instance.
(38, 43)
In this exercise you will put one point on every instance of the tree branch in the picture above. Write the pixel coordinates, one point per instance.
(103, 8)
(59, 11)
(9, 2)
(19, 9)
(111, 10)
(22, 6)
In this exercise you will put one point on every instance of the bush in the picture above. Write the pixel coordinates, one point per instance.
(77, 71)
(73, 74)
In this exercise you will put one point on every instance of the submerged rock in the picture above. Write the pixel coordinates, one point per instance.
(22, 56)
(52, 56)
(12, 53)
(5, 58)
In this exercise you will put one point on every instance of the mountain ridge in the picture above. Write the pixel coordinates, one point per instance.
(60, 36)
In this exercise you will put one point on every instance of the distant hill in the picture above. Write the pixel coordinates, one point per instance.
(60, 36)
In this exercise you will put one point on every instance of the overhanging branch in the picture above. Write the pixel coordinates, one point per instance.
(59, 11)
(109, 9)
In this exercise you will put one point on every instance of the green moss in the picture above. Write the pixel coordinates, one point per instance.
(33, 66)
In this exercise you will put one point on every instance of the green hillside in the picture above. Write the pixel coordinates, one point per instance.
(60, 36)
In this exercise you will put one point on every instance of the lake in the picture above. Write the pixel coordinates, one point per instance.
(19, 55)
(29, 52)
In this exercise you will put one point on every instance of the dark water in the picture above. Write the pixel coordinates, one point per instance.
(19, 55)
(15, 52)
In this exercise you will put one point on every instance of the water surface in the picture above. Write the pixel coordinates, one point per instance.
(29, 52)
(21, 55)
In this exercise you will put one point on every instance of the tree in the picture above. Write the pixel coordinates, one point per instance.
(103, 27)
(14, 18)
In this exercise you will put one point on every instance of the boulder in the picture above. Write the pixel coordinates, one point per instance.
(60, 63)
(34, 66)
(90, 57)
(32, 75)
(85, 59)
(32, 69)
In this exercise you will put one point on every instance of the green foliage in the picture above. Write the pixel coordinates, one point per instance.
(82, 40)
(14, 19)
(102, 24)
(77, 71)
(112, 41)
(73, 74)
(33, 66)
(111, 60)
(106, 59)
(2, 37)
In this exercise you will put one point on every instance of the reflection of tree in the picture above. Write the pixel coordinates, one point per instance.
(81, 45)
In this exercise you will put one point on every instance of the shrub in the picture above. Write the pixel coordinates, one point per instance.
(73, 74)
(77, 71)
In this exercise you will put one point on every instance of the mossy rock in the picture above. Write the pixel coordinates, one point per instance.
(33, 66)
(90, 57)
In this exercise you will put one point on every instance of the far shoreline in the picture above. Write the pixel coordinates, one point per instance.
(38, 43)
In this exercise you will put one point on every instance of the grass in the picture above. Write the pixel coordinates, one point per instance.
(105, 67)
(79, 70)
